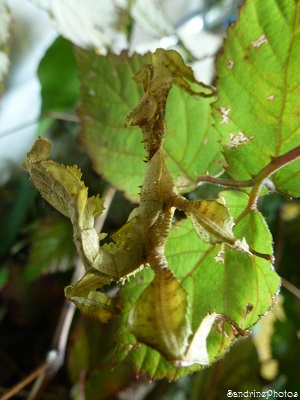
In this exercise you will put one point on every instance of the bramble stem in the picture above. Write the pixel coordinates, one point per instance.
(260, 178)
(257, 181)
(275, 164)
(225, 182)
(291, 288)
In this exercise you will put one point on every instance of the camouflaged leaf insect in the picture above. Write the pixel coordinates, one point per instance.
(159, 316)
(168, 68)
(62, 187)
(139, 242)
(212, 221)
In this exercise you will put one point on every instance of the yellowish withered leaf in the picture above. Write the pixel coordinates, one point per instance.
(212, 221)
(159, 316)
(62, 187)
(96, 305)
(90, 302)
(59, 185)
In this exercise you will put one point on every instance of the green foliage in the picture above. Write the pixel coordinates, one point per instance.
(52, 248)
(60, 91)
(102, 79)
(13, 215)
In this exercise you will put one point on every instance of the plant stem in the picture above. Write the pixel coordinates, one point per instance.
(225, 182)
(261, 177)
(275, 164)
(291, 288)
(64, 117)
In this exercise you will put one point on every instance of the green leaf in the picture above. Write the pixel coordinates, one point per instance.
(52, 248)
(14, 215)
(191, 144)
(257, 113)
(4, 275)
(90, 352)
(108, 94)
(78, 359)
(60, 91)
(252, 227)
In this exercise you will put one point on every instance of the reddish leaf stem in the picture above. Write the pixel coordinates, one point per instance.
(260, 178)
(258, 181)
(275, 164)
(225, 182)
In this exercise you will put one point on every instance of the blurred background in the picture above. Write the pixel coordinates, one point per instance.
(39, 92)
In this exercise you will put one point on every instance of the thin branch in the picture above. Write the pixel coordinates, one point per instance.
(18, 128)
(64, 117)
(262, 176)
(225, 182)
(35, 121)
(55, 357)
(24, 382)
(277, 163)
(108, 195)
(291, 288)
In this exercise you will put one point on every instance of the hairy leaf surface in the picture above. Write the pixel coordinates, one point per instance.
(258, 85)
